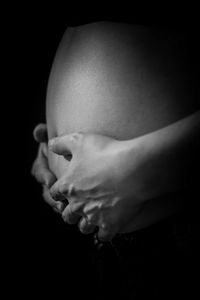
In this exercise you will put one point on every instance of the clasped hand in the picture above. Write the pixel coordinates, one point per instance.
(98, 184)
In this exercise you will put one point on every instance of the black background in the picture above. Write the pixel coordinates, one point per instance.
(43, 255)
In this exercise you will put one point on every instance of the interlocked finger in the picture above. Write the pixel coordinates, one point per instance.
(60, 190)
(71, 213)
(40, 169)
(57, 206)
(85, 226)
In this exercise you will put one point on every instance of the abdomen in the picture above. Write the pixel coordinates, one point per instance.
(119, 80)
(122, 81)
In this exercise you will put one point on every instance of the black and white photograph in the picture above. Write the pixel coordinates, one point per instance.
(104, 128)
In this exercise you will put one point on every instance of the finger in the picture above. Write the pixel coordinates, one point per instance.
(69, 216)
(40, 133)
(42, 174)
(44, 150)
(61, 206)
(106, 233)
(65, 144)
(85, 227)
(57, 206)
(59, 190)
(40, 169)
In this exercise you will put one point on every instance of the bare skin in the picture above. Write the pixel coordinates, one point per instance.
(112, 184)
(116, 80)
(115, 83)
(40, 169)
(109, 182)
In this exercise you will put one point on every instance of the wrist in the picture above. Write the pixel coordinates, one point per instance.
(131, 157)
(146, 166)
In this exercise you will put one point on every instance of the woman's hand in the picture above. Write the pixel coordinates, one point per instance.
(101, 182)
(40, 169)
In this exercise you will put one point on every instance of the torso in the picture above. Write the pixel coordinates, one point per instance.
(114, 79)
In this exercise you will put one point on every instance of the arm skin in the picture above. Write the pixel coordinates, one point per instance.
(172, 156)
(122, 176)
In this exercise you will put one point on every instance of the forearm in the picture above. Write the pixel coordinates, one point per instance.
(170, 156)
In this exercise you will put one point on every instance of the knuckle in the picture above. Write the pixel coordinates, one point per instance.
(62, 187)
(77, 137)
(68, 216)
(59, 206)
(92, 218)
(53, 191)
(76, 207)
(86, 227)
(83, 225)
(71, 190)
(59, 190)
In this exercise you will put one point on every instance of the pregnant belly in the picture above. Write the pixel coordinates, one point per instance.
(113, 80)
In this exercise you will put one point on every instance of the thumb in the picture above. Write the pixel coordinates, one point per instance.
(40, 133)
(66, 144)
